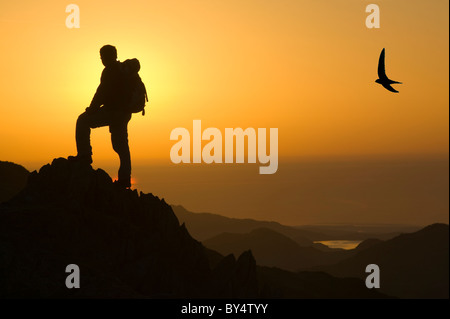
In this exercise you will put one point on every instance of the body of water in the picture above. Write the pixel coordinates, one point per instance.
(343, 244)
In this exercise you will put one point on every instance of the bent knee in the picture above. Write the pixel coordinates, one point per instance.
(83, 118)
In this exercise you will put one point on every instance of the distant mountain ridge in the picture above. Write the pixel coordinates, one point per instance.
(422, 254)
(273, 249)
(206, 225)
(414, 265)
(203, 226)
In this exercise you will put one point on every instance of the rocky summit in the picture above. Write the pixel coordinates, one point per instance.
(126, 244)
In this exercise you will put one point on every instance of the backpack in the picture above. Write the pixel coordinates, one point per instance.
(135, 86)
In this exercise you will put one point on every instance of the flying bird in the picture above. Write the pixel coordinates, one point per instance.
(383, 79)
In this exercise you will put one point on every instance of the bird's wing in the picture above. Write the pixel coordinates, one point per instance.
(390, 88)
(381, 67)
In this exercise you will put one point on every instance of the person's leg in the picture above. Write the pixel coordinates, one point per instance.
(119, 139)
(85, 122)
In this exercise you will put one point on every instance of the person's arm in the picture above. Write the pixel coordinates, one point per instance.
(98, 98)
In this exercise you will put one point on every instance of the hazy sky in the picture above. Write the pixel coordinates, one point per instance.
(305, 67)
(381, 191)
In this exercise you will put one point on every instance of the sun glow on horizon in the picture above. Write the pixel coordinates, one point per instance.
(303, 67)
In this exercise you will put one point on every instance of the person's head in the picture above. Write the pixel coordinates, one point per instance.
(108, 54)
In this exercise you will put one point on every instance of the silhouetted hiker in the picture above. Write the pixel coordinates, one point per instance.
(109, 107)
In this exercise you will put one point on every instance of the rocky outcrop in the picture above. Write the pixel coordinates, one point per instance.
(13, 178)
(127, 244)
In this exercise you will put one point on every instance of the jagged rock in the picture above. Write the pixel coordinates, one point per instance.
(245, 280)
(126, 244)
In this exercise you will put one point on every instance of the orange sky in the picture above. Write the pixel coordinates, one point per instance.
(305, 67)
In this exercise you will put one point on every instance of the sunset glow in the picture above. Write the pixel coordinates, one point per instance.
(347, 149)
(305, 67)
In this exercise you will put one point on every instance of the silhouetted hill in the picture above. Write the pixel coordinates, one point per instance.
(278, 283)
(360, 232)
(367, 244)
(126, 244)
(13, 179)
(412, 265)
(274, 249)
(203, 226)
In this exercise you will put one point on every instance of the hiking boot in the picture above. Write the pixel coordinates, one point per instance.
(84, 159)
(121, 183)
